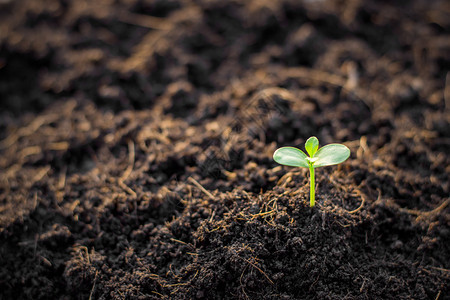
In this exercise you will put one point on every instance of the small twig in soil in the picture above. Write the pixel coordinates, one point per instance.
(93, 286)
(175, 284)
(315, 75)
(363, 284)
(158, 294)
(58, 146)
(195, 182)
(129, 169)
(45, 261)
(61, 186)
(215, 229)
(40, 175)
(34, 201)
(437, 296)
(240, 281)
(144, 21)
(131, 158)
(257, 268)
(178, 241)
(181, 242)
(212, 216)
(261, 214)
(74, 205)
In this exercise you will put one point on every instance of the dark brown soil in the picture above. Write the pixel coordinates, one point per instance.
(136, 142)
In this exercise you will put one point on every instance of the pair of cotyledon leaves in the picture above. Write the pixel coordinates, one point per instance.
(328, 155)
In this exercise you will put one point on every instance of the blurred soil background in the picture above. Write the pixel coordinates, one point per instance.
(136, 142)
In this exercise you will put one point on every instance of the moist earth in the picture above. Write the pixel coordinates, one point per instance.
(136, 142)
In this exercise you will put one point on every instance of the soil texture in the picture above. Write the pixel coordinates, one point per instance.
(136, 142)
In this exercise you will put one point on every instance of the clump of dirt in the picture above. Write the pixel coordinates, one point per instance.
(136, 142)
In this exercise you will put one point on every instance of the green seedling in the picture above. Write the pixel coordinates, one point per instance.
(328, 155)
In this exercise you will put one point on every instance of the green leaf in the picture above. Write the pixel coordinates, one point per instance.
(311, 145)
(331, 154)
(291, 156)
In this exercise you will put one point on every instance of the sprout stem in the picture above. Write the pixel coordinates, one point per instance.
(312, 186)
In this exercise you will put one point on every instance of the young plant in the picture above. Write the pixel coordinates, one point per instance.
(328, 155)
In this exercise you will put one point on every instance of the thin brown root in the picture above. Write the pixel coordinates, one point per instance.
(144, 21)
(29, 151)
(28, 130)
(131, 158)
(93, 286)
(158, 294)
(315, 75)
(59, 146)
(181, 242)
(240, 281)
(259, 269)
(127, 189)
(40, 174)
(195, 182)
(421, 215)
(61, 186)
(256, 267)
(363, 200)
(129, 169)
(437, 296)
